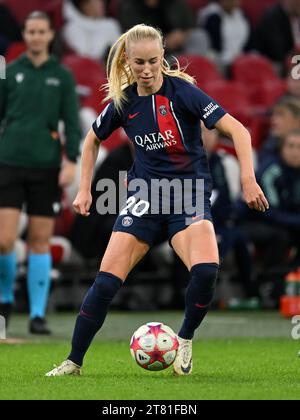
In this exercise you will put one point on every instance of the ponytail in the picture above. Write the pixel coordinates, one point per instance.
(118, 71)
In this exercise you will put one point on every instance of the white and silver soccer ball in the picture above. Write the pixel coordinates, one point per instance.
(154, 346)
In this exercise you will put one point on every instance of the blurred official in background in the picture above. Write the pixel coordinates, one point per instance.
(37, 93)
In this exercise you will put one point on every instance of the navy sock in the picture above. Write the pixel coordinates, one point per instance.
(93, 313)
(199, 295)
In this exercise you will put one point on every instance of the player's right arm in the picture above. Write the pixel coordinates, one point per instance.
(83, 200)
(107, 122)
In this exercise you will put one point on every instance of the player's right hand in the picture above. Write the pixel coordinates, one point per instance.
(254, 196)
(82, 203)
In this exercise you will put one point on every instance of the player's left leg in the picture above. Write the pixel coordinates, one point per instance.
(40, 230)
(123, 252)
(197, 248)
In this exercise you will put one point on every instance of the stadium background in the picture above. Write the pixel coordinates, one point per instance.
(237, 354)
(247, 85)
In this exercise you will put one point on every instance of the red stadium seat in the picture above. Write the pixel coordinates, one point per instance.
(267, 93)
(258, 76)
(87, 72)
(259, 129)
(195, 5)
(90, 76)
(14, 51)
(95, 97)
(232, 96)
(203, 69)
(113, 7)
(253, 68)
(54, 10)
(21, 9)
(255, 9)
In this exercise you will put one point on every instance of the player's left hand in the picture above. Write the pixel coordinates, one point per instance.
(254, 196)
(67, 174)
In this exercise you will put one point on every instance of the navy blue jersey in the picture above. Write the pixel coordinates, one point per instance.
(165, 129)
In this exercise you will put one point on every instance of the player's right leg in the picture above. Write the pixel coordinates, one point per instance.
(9, 221)
(123, 252)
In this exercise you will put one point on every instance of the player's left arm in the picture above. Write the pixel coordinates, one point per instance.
(253, 194)
(70, 116)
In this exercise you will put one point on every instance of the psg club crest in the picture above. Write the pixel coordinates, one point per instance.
(163, 110)
(127, 221)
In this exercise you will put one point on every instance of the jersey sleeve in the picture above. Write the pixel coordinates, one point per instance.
(107, 122)
(201, 106)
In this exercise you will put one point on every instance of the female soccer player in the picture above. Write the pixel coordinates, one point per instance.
(160, 110)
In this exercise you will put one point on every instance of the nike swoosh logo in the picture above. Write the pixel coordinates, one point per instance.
(85, 314)
(188, 368)
(201, 306)
(131, 116)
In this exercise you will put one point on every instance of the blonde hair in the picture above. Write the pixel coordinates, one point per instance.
(118, 71)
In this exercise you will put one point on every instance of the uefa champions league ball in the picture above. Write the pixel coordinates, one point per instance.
(154, 346)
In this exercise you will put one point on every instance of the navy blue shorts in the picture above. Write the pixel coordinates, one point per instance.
(148, 227)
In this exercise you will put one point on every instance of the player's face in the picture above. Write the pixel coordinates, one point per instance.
(145, 59)
(291, 151)
(37, 35)
(283, 121)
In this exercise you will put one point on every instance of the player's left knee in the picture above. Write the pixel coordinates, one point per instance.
(204, 280)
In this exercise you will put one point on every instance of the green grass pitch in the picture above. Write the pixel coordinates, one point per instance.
(236, 356)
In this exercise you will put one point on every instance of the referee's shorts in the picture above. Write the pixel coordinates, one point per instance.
(37, 189)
